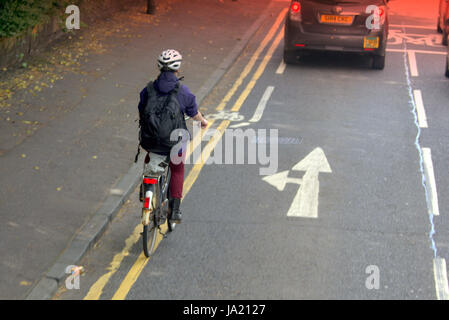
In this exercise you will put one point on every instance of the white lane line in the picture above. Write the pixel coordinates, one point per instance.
(430, 182)
(422, 118)
(262, 104)
(412, 62)
(281, 68)
(239, 125)
(413, 27)
(440, 274)
(418, 51)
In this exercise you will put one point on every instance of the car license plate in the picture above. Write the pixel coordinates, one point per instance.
(326, 18)
(371, 42)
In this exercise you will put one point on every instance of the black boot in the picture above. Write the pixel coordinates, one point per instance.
(176, 215)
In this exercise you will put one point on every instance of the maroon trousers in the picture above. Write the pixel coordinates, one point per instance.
(177, 178)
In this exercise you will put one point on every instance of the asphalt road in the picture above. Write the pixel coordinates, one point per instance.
(69, 135)
(361, 228)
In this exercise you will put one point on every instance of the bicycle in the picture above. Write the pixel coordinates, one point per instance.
(154, 192)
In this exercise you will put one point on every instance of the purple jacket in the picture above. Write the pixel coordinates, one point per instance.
(163, 85)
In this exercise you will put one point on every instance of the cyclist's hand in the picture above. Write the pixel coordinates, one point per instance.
(204, 123)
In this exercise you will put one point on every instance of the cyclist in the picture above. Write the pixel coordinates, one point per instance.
(169, 62)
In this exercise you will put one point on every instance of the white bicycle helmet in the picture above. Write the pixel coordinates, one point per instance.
(169, 60)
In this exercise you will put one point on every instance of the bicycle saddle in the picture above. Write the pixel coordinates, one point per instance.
(157, 164)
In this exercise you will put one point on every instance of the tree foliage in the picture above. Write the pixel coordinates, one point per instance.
(17, 16)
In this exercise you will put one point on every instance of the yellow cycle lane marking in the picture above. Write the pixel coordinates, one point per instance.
(139, 265)
(238, 104)
(97, 288)
(141, 262)
(252, 61)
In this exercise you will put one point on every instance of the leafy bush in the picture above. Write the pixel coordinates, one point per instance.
(17, 16)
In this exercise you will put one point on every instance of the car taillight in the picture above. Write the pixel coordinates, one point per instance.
(295, 7)
(382, 15)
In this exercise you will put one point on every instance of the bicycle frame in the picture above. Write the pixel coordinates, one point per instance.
(149, 185)
(155, 188)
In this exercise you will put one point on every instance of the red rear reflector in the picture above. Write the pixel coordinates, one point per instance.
(296, 6)
(369, 49)
(299, 45)
(149, 181)
(147, 203)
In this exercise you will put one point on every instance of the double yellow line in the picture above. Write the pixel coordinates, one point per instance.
(97, 288)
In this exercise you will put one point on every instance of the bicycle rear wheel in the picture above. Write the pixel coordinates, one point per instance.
(149, 238)
(150, 229)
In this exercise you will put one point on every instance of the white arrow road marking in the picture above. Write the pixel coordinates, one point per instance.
(314, 161)
(305, 203)
(262, 104)
(280, 179)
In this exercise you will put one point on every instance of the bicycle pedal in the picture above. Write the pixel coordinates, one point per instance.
(164, 235)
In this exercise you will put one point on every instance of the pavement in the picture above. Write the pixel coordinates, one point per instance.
(69, 136)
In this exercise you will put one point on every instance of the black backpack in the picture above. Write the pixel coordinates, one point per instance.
(160, 117)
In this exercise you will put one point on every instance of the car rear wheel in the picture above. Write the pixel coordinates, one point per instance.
(290, 57)
(378, 62)
(447, 69)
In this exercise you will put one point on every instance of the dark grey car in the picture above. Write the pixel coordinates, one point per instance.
(359, 26)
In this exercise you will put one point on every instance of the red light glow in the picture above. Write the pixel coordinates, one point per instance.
(296, 7)
(149, 181)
